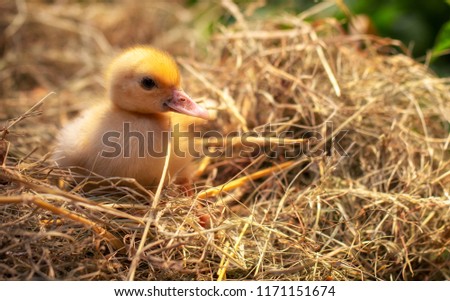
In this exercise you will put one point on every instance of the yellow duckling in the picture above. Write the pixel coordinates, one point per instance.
(127, 136)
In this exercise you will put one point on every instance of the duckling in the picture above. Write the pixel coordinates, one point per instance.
(127, 136)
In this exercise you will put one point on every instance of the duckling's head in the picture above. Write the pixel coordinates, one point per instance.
(147, 80)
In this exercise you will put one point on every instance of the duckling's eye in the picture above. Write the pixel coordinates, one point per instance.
(147, 83)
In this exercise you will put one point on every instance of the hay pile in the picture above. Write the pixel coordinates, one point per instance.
(368, 201)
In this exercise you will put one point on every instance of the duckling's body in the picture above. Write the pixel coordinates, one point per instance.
(128, 135)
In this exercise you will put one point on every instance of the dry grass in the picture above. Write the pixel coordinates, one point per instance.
(382, 212)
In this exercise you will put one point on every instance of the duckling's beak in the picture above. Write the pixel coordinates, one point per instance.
(182, 103)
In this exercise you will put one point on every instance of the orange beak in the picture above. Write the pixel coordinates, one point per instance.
(183, 104)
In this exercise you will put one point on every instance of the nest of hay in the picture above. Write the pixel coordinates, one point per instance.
(365, 197)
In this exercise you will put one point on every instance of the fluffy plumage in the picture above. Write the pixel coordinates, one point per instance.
(124, 137)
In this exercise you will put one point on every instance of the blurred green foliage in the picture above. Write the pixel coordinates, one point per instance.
(422, 25)
(417, 22)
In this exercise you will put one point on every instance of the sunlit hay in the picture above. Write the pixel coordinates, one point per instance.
(365, 196)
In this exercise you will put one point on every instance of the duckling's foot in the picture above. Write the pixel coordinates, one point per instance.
(185, 185)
